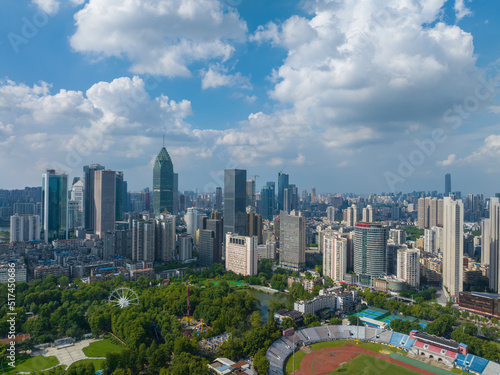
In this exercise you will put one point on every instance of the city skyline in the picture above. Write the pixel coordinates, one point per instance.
(75, 97)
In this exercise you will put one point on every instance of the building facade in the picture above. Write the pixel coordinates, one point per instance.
(163, 183)
(241, 254)
(453, 246)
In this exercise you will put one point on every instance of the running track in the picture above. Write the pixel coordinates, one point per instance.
(324, 361)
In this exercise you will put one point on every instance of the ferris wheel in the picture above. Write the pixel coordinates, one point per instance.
(123, 297)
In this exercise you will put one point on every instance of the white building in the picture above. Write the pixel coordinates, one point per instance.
(185, 247)
(453, 246)
(191, 219)
(267, 250)
(316, 304)
(331, 213)
(367, 214)
(408, 267)
(491, 242)
(241, 254)
(334, 256)
(24, 228)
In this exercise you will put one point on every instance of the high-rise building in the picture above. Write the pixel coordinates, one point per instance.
(334, 256)
(429, 212)
(330, 214)
(192, 219)
(250, 190)
(143, 240)
(241, 254)
(88, 191)
(24, 228)
(408, 267)
(235, 201)
(485, 241)
(54, 205)
(398, 236)
(351, 215)
(272, 186)
(282, 185)
(368, 214)
(254, 226)
(491, 243)
(119, 203)
(105, 201)
(207, 248)
(74, 215)
(370, 251)
(185, 247)
(447, 184)
(176, 194)
(165, 238)
(453, 246)
(163, 183)
(292, 241)
(218, 198)
(266, 202)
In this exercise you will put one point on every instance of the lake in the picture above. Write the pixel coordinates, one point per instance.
(264, 299)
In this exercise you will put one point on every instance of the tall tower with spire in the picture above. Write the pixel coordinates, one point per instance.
(163, 183)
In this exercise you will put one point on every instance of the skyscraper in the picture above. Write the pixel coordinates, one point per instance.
(250, 189)
(368, 214)
(334, 256)
(88, 201)
(408, 266)
(292, 242)
(218, 198)
(370, 251)
(447, 184)
(54, 205)
(235, 217)
(453, 246)
(105, 201)
(119, 203)
(266, 202)
(282, 185)
(143, 240)
(491, 243)
(163, 183)
(165, 237)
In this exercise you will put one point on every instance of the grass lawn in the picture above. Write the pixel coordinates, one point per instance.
(100, 348)
(367, 345)
(367, 365)
(98, 363)
(28, 364)
(298, 358)
(330, 344)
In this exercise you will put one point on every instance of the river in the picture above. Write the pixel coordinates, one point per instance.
(264, 299)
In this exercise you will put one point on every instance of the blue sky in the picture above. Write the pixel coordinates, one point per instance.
(350, 96)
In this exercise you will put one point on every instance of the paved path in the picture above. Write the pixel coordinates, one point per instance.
(68, 354)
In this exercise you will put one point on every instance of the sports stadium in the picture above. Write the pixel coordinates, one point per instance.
(326, 360)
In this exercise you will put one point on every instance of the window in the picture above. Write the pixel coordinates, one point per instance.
(426, 346)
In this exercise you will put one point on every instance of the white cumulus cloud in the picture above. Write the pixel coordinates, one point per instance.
(161, 37)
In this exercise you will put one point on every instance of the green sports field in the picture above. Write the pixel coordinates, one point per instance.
(365, 364)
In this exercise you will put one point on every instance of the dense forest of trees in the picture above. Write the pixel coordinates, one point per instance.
(54, 308)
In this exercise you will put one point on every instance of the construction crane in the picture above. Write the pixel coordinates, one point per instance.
(282, 169)
(255, 177)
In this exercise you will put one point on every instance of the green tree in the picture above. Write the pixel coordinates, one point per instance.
(260, 362)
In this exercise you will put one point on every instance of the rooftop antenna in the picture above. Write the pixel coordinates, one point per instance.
(163, 140)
